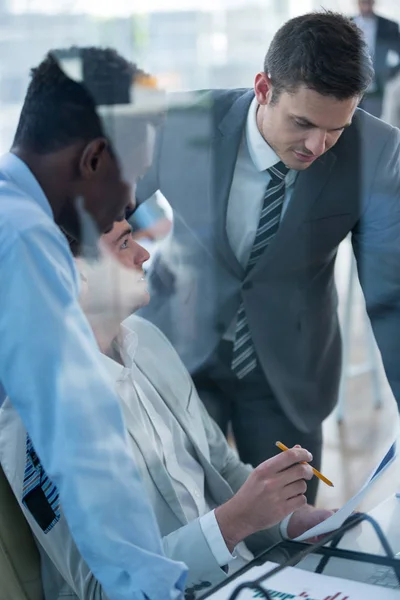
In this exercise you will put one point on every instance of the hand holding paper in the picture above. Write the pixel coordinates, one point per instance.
(338, 518)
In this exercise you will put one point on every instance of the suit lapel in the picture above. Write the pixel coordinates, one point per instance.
(224, 152)
(307, 190)
(159, 476)
(217, 486)
(380, 29)
(165, 391)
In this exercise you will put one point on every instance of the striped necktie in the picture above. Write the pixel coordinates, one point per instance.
(39, 494)
(244, 356)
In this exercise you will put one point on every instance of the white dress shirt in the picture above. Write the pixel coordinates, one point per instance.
(51, 370)
(369, 26)
(249, 183)
(178, 455)
(391, 102)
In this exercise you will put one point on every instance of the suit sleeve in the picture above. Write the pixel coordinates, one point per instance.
(189, 544)
(395, 47)
(376, 244)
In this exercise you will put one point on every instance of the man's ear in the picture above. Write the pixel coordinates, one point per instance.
(92, 157)
(263, 88)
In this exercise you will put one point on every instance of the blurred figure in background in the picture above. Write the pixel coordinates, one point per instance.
(65, 174)
(382, 37)
(391, 102)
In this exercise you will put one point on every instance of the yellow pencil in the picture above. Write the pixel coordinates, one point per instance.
(316, 473)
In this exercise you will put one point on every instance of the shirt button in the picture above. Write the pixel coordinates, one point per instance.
(196, 494)
(247, 285)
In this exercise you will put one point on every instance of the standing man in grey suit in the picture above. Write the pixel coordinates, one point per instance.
(382, 37)
(265, 184)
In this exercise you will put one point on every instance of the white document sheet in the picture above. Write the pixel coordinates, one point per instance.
(337, 519)
(295, 584)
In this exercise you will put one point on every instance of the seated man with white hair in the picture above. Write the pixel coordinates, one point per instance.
(213, 511)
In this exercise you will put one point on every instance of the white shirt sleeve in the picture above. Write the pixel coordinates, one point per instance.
(215, 540)
(51, 370)
(283, 526)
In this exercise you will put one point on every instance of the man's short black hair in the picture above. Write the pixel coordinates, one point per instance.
(59, 111)
(323, 51)
(105, 73)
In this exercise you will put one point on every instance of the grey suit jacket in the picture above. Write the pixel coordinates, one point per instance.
(65, 573)
(290, 297)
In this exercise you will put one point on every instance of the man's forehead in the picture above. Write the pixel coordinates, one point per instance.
(119, 229)
(321, 111)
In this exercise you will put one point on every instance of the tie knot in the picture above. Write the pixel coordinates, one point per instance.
(278, 171)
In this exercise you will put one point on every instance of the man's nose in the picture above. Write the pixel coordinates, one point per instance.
(141, 257)
(316, 142)
(145, 256)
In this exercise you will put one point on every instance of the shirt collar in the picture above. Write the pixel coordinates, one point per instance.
(260, 151)
(128, 342)
(112, 367)
(360, 20)
(17, 171)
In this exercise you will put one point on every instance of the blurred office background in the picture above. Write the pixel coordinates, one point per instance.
(186, 44)
(189, 44)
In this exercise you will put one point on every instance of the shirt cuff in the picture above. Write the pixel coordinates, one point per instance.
(283, 526)
(215, 540)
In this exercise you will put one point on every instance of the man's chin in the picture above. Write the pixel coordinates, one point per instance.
(145, 299)
(301, 166)
(297, 165)
(141, 302)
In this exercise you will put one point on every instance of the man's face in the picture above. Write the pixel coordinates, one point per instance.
(302, 126)
(106, 195)
(108, 178)
(366, 7)
(114, 286)
(130, 254)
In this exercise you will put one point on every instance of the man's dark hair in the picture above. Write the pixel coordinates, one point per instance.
(59, 111)
(323, 51)
(105, 73)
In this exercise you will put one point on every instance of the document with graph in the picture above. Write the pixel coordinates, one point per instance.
(295, 584)
(337, 520)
